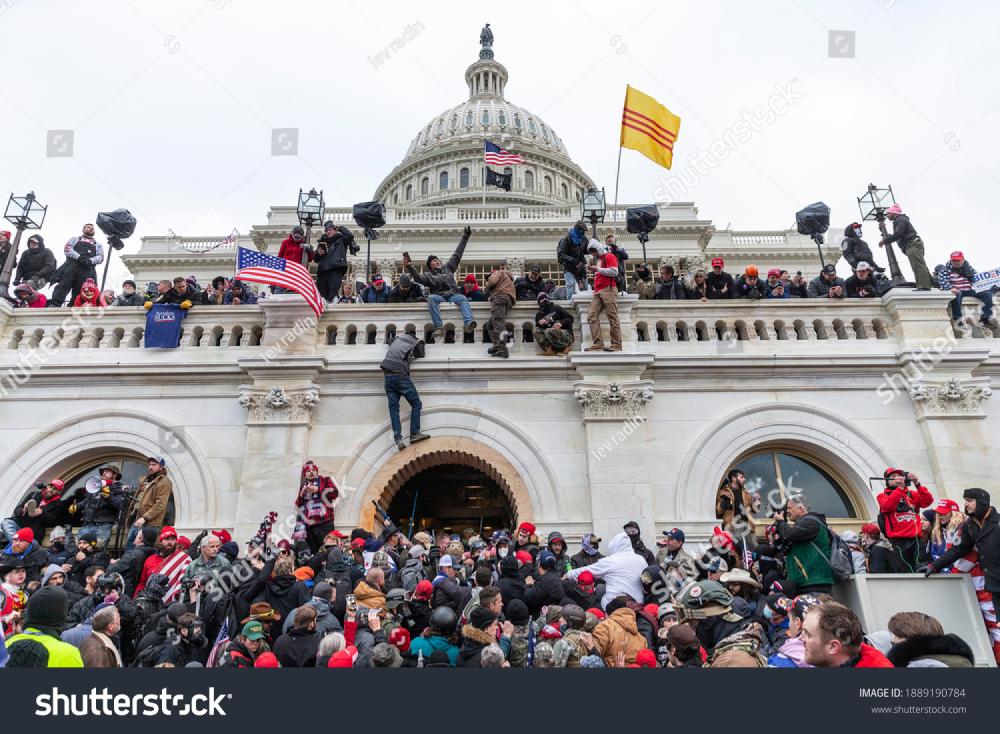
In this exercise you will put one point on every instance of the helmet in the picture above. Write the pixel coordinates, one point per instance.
(574, 615)
(752, 271)
(444, 620)
(704, 599)
(111, 582)
(395, 597)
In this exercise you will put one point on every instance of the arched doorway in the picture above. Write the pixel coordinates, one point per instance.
(453, 498)
(451, 471)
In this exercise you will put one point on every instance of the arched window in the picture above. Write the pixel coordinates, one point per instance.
(454, 121)
(463, 178)
(440, 127)
(486, 117)
(131, 466)
(529, 181)
(517, 122)
(548, 184)
(409, 191)
(443, 181)
(564, 190)
(531, 126)
(470, 119)
(502, 119)
(776, 475)
(425, 186)
(545, 133)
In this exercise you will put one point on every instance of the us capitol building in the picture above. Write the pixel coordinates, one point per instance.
(801, 394)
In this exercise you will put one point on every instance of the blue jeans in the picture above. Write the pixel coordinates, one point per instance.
(986, 298)
(573, 285)
(102, 531)
(397, 386)
(434, 302)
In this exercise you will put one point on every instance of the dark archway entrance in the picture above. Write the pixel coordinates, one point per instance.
(452, 498)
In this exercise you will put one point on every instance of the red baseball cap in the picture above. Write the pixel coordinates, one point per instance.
(957, 255)
(645, 658)
(358, 543)
(168, 532)
(58, 484)
(718, 262)
(586, 578)
(341, 659)
(266, 660)
(527, 527)
(424, 590)
(336, 534)
(400, 639)
(774, 271)
(870, 529)
(183, 541)
(599, 613)
(524, 557)
(944, 506)
(25, 535)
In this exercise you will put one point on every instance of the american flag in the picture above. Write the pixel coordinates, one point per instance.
(230, 239)
(259, 267)
(173, 568)
(497, 156)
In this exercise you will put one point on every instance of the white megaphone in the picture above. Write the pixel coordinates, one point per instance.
(94, 485)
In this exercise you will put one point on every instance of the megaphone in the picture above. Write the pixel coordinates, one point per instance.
(94, 485)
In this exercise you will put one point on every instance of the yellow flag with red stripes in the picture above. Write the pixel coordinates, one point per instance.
(649, 127)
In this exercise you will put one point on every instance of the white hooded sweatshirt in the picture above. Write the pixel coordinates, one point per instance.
(621, 570)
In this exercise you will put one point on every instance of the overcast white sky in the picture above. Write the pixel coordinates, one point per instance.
(172, 104)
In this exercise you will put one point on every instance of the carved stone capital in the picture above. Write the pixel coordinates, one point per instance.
(950, 398)
(613, 400)
(515, 266)
(279, 405)
(386, 266)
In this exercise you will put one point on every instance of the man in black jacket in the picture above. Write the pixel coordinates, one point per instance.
(36, 265)
(719, 283)
(668, 286)
(980, 533)
(547, 589)
(855, 249)
(440, 280)
(131, 563)
(405, 291)
(39, 511)
(129, 297)
(82, 254)
(396, 370)
(529, 286)
(331, 258)
(572, 255)
(910, 243)
(554, 327)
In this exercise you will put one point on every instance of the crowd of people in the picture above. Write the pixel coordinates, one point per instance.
(757, 595)
(587, 264)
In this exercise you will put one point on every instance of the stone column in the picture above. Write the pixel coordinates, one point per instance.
(612, 396)
(581, 301)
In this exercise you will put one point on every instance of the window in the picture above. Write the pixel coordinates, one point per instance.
(443, 181)
(778, 474)
(470, 119)
(409, 191)
(486, 117)
(440, 127)
(132, 469)
(454, 122)
(395, 198)
(502, 119)
(425, 186)
(545, 133)
(517, 122)
(463, 178)
(529, 181)
(548, 184)
(531, 126)
(564, 190)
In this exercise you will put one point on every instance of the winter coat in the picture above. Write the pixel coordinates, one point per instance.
(372, 295)
(130, 566)
(413, 295)
(448, 593)
(620, 570)
(245, 299)
(510, 584)
(297, 648)
(526, 289)
(807, 561)
(283, 593)
(754, 291)
(403, 350)
(899, 511)
(546, 590)
(501, 283)
(98, 509)
(368, 596)
(236, 655)
(792, 654)
(292, 250)
(331, 252)
(716, 283)
(442, 281)
(669, 290)
(96, 654)
(618, 633)
(572, 254)
(61, 654)
(855, 249)
(645, 289)
(318, 507)
(771, 291)
(946, 651)
(86, 252)
(154, 493)
(54, 512)
(35, 263)
(34, 558)
(136, 299)
(474, 641)
(558, 315)
(432, 644)
(326, 622)
(854, 287)
(902, 232)
(868, 657)
(819, 287)
(983, 536)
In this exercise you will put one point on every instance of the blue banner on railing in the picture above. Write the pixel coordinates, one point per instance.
(163, 326)
(986, 280)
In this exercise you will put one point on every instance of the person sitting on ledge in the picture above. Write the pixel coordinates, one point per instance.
(238, 295)
(553, 328)
(471, 289)
(377, 292)
(440, 279)
(826, 284)
(958, 276)
(405, 291)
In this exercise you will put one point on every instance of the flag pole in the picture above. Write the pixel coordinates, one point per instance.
(618, 175)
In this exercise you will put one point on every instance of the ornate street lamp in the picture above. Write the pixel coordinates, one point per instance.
(593, 207)
(873, 204)
(24, 212)
(310, 209)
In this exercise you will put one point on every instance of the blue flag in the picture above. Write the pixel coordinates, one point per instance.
(163, 326)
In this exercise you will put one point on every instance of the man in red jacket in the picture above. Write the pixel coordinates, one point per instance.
(833, 638)
(315, 505)
(605, 298)
(899, 517)
(295, 248)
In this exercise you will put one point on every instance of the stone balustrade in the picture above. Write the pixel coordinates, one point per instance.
(681, 327)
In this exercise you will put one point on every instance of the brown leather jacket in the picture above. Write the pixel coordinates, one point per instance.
(154, 493)
(725, 506)
(501, 283)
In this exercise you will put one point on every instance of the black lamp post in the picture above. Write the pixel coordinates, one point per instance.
(24, 212)
(310, 210)
(873, 204)
(593, 207)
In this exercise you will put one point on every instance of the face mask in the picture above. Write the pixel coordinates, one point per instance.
(503, 551)
(768, 613)
(857, 231)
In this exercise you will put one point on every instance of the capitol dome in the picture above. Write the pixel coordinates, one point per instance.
(444, 163)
